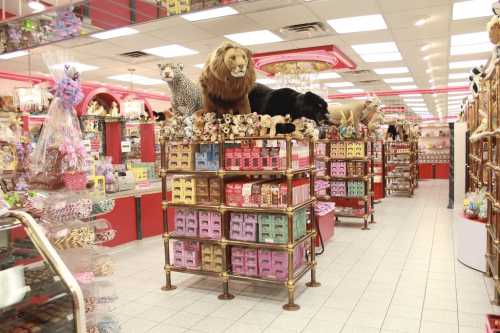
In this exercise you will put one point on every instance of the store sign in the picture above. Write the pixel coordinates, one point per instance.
(126, 147)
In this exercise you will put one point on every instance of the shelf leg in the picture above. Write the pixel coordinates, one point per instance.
(372, 219)
(488, 272)
(365, 226)
(291, 306)
(168, 280)
(496, 301)
(313, 283)
(225, 288)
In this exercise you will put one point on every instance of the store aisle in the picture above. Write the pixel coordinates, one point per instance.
(401, 276)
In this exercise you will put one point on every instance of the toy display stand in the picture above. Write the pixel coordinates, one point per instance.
(434, 151)
(337, 153)
(226, 243)
(470, 241)
(400, 167)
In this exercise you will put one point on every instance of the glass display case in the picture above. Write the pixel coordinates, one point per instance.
(37, 291)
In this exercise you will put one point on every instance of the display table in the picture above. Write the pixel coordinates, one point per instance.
(470, 236)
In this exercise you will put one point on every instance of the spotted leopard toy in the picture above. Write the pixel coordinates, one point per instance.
(186, 95)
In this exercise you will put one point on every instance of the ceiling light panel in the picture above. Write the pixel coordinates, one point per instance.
(471, 49)
(170, 51)
(375, 48)
(399, 80)
(456, 76)
(391, 70)
(471, 8)
(358, 23)
(327, 75)
(254, 37)
(457, 84)
(199, 66)
(210, 14)
(416, 104)
(409, 86)
(350, 91)
(470, 38)
(339, 84)
(466, 64)
(120, 32)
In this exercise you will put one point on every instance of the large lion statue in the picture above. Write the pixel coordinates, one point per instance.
(226, 80)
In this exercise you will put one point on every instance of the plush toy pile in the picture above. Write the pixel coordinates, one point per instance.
(476, 205)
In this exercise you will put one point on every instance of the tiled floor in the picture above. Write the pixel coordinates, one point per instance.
(401, 276)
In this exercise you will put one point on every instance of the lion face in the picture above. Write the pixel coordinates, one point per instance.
(236, 61)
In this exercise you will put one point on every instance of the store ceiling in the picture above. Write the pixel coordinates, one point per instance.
(424, 49)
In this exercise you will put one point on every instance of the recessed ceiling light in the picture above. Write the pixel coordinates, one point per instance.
(410, 86)
(376, 48)
(210, 14)
(472, 8)
(327, 75)
(466, 64)
(199, 66)
(463, 93)
(358, 23)
(79, 66)
(266, 81)
(470, 38)
(452, 98)
(339, 84)
(360, 98)
(12, 55)
(420, 109)
(381, 57)
(170, 51)
(399, 80)
(138, 79)
(254, 37)
(120, 32)
(391, 70)
(350, 91)
(457, 84)
(36, 6)
(471, 49)
(456, 76)
(416, 104)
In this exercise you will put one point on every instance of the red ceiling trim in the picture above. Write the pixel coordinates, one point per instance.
(441, 90)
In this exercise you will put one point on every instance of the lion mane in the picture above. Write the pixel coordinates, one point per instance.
(222, 92)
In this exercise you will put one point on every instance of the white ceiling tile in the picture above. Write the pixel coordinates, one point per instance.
(280, 17)
(328, 9)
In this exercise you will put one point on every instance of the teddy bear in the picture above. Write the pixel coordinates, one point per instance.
(238, 128)
(252, 124)
(210, 128)
(198, 125)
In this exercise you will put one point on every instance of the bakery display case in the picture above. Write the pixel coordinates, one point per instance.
(38, 293)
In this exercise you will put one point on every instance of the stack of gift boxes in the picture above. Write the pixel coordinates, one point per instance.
(343, 149)
(188, 190)
(211, 257)
(207, 159)
(320, 187)
(338, 169)
(271, 155)
(180, 156)
(355, 169)
(338, 189)
(204, 224)
(265, 263)
(193, 255)
(266, 193)
(266, 228)
(355, 189)
(184, 190)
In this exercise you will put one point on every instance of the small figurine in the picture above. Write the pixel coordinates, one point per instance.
(114, 112)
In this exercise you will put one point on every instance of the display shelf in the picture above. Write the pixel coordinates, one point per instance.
(57, 298)
(221, 179)
(397, 161)
(334, 156)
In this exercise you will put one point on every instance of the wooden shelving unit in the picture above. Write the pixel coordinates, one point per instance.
(225, 209)
(366, 176)
(401, 167)
(477, 151)
(489, 169)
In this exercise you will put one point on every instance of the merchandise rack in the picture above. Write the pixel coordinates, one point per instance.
(367, 178)
(294, 275)
(477, 150)
(406, 163)
(490, 144)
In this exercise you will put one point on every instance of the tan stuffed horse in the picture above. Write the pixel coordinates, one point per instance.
(356, 112)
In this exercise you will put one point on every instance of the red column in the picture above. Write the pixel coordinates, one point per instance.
(114, 141)
(148, 143)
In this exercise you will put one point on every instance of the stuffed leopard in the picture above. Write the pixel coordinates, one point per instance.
(186, 95)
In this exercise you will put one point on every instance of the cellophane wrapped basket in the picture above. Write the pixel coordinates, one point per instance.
(75, 181)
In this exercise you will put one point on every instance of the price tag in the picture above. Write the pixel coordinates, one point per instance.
(126, 147)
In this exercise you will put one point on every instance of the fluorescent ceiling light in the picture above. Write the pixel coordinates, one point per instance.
(409, 86)
(470, 38)
(339, 84)
(79, 66)
(462, 93)
(376, 48)
(358, 23)
(458, 98)
(360, 98)
(170, 51)
(413, 100)
(456, 76)
(12, 55)
(416, 104)
(391, 70)
(382, 57)
(472, 8)
(266, 81)
(399, 80)
(138, 79)
(420, 109)
(457, 84)
(254, 37)
(120, 32)
(350, 91)
(210, 14)
(36, 6)
(199, 66)
(466, 64)
(471, 49)
(328, 75)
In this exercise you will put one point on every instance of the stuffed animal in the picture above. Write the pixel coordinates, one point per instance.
(305, 128)
(211, 127)
(252, 124)
(226, 80)
(265, 100)
(268, 124)
(357, 111)
(114, 112)
(185, 93)
(198, 125)
(92, 107)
